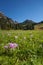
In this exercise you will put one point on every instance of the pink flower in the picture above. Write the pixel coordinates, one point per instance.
(13, 45)
(6, 47)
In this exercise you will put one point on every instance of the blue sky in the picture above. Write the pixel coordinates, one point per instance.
(23, 9)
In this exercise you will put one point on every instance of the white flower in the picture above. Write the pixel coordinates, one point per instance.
(16, 37)
(9, 34)
(6, 47)
(24, 37)
(31, 35)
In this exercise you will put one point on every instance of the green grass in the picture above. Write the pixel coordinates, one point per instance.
(29, 50)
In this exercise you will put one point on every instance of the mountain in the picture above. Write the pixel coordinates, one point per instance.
(28, 21)
(40, 22)
(28, 24)
(6, 22)
(2, 16)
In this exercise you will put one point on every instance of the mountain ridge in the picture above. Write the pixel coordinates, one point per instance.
(8, 23)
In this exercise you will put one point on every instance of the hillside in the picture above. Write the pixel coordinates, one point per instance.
(38, 26)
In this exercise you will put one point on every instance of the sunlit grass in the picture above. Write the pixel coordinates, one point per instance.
(29, 50)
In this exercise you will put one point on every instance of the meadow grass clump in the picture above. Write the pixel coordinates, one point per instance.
(18, 47)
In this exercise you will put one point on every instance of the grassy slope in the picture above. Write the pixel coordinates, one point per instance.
(38, 26)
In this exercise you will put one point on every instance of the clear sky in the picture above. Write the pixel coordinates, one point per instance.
(23, 9)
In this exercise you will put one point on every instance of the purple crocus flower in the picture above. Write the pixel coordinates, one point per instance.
(13, 45)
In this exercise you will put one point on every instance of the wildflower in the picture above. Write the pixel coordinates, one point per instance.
(6, 47)
(9, 34)
(31, 35)
(24, 38)
(13, 45)
(16, 37)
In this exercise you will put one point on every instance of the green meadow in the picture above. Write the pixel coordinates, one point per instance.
(29, 50)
